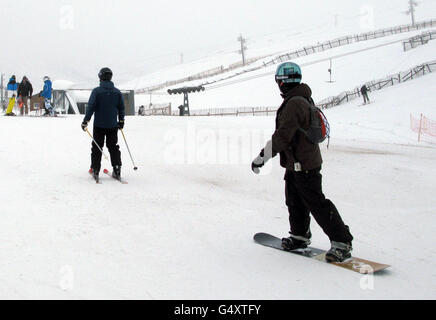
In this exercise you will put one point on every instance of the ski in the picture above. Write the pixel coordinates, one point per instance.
(353, 264)
(96, 178)
(106, 171)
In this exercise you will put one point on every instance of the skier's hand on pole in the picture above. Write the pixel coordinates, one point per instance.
(95, 142)
(121, 124)
(84, 125)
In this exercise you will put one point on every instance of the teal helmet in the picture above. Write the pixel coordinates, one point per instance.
(288, 72)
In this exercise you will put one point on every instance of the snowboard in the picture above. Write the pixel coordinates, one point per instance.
(10, 106)
(354, 264)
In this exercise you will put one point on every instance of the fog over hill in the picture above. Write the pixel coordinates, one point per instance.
(72, 40)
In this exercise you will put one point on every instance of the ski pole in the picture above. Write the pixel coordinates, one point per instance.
(134, 166)
(95, 142)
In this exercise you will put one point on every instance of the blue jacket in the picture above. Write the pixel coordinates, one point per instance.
(12, 85)
(107, 103)
(46, 92)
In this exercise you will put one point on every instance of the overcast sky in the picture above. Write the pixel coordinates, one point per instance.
(72, 39)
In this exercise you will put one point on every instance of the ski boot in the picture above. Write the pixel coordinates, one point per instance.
(116, 173)
(340, 252)
(94, 173)
(296, 242)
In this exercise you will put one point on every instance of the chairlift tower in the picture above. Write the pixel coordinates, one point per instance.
(412, 5)
(186, 91)
(243, 41)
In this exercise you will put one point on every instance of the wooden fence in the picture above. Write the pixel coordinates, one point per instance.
(331, 102)
(380, 84)
(419, 40)
(319, 47)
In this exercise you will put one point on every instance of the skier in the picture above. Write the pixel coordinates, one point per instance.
(25, 91)
(364, 90)
(46, 94)
(107, 103)
(302, 160)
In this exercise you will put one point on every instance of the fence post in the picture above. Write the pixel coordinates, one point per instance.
(420, 128)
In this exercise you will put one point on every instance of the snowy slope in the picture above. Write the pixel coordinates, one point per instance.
(182, 228)
(353, 65)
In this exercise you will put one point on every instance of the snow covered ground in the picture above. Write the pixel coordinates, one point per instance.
(183, 226)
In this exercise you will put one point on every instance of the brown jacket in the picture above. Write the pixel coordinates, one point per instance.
(288, 140)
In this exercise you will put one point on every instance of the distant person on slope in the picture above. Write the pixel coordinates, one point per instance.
(302, 160)
(25, 91)
(46, 94)
(141, 111)
(107, 103)
(364, 90)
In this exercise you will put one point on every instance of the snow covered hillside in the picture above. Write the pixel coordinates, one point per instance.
(183, 226)
(353, 65)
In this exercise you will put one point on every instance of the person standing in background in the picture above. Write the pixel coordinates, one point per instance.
(46, 94)
(364, 90)
(12, 88)
(25, 91)
(12, 84)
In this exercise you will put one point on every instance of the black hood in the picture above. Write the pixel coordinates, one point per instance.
(302, 90)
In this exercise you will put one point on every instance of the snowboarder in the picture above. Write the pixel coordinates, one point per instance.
(107, 103)
(46, 94)
(11, 104)
(12, 85)
(25, 91)
(364, 90)
(302, 160)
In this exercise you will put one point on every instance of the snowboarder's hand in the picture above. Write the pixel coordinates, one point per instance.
(121, 124)
(258, 163)
(84, 125)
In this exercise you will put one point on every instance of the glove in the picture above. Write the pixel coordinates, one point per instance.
(121, 124)
(264, 156)
(84, 125)
(258, 163)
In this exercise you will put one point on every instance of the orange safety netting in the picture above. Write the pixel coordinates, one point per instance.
(425, 127)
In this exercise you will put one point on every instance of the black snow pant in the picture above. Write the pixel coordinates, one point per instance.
(111, 136)
(304, 196)
(365, 98)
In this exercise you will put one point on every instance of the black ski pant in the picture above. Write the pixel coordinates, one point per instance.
(304, 196)
(111, 136)
(365, 98)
